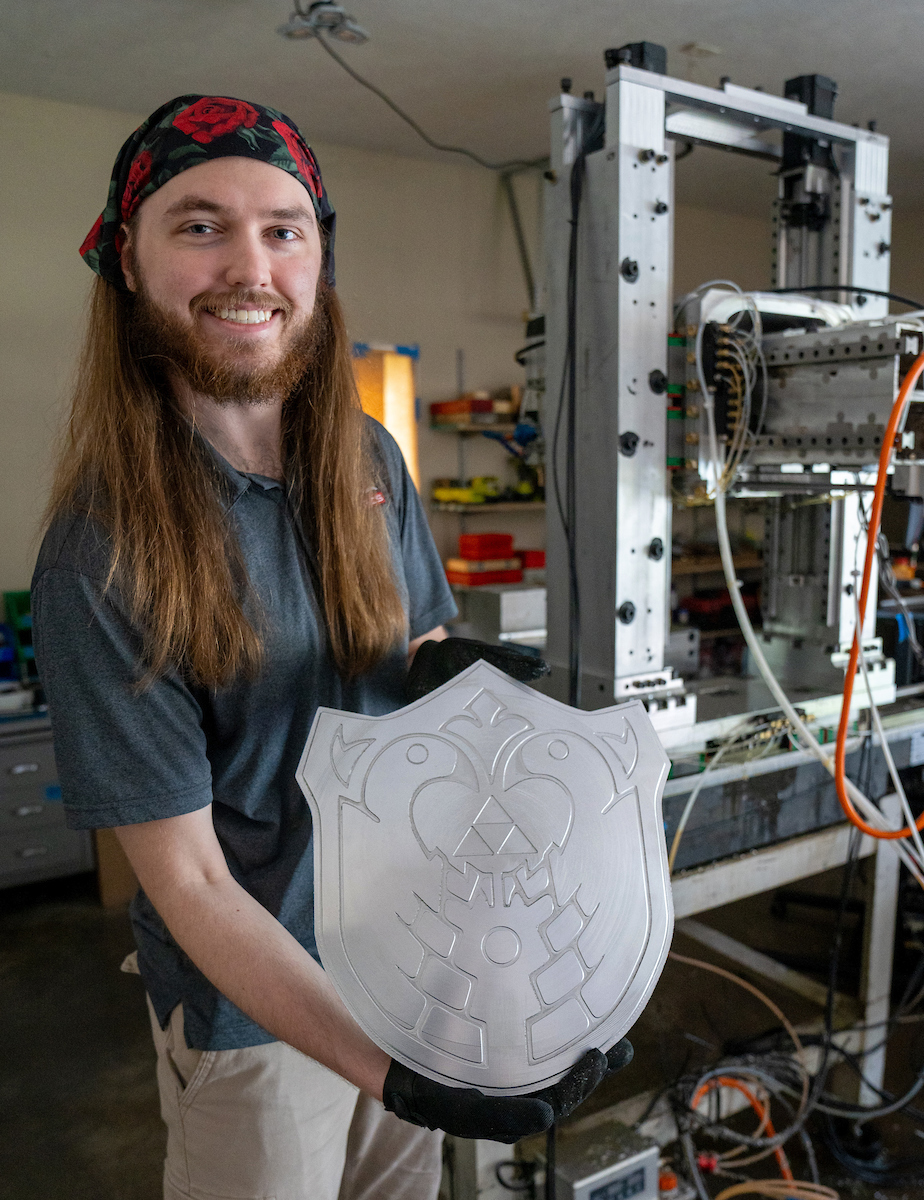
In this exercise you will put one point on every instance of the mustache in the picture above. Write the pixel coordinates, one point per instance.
(241, 298)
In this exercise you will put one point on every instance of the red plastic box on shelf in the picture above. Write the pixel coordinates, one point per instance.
(531, 560)
(485, 545)
(465, 405)
(474, 578)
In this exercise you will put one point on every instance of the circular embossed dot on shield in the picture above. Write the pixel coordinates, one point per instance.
(417, 754)
(501, 946)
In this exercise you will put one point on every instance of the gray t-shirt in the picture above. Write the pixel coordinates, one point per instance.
(126, 757)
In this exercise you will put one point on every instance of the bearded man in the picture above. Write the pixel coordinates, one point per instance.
(231, 544)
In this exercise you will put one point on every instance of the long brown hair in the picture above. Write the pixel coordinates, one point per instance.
(130, 460)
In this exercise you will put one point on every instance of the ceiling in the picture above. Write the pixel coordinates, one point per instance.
(477, 72)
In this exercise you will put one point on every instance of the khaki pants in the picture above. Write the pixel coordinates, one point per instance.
(268, 1123)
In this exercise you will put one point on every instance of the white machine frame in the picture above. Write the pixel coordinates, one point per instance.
(623, 319)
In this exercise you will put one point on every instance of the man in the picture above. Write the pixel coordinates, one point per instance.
(231, 544)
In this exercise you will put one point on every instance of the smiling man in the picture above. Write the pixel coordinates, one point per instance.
(230, 545)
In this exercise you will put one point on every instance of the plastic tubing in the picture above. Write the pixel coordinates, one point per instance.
(779, 1189)
(726, 1081)
(884, 744)
(761, 996)
(872, 534)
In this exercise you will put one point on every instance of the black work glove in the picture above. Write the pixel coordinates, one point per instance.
(468, 1113)
(435, 663)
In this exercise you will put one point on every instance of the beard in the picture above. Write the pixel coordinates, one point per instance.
(225, 375)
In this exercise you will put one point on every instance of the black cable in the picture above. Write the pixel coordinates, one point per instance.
(853, 851)
(513, 164)
(522, 1172)
(846, 287)
(911, 989)
(522, 250)
(567, 406)
(870, 1168)
(890, 1104)
(781, 1069)
(650, 1106)
(717, 1129)
(519, 357)
(574, 606)
(550, 1163)
(507, 167)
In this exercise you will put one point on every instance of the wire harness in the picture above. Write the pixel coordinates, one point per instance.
(861, 810)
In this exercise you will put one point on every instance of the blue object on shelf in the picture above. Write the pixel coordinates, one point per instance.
(8, 669)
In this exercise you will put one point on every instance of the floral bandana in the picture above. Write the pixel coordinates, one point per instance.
(188, 131)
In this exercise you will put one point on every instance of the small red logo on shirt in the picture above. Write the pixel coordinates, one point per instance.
(376, 496)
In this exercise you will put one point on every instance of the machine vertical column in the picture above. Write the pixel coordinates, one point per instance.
(834, 227)
(641, 202)
(870, 222)
(623, 319)
(878, 942)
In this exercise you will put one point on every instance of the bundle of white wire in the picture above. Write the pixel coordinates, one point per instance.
(742, 346)
(911, 854)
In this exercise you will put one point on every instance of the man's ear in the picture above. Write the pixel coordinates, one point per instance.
(128, 258)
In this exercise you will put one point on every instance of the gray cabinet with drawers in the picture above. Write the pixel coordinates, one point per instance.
(34, 841)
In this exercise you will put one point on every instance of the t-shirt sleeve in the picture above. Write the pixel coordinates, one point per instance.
(124, 754)
(430, 601)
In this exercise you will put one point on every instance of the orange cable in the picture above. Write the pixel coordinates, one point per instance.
(727, 1081)
(872, 533)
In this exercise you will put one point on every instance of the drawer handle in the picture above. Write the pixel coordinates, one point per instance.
(23, 768)
(32, 851)
(28, 810)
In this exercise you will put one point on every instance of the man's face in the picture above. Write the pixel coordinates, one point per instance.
(225, 260)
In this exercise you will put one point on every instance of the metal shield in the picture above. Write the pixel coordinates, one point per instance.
(492, 895)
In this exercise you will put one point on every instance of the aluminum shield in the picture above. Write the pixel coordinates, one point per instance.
(491, 887)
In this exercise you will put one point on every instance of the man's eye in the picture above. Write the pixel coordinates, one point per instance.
(200, 227)
(285, 235)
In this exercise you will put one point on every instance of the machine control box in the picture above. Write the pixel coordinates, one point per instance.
(608, 1162)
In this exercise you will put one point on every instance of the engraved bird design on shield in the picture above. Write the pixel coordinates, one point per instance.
(492, 895)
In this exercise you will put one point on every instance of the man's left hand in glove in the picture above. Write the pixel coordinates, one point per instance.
(469, 1113)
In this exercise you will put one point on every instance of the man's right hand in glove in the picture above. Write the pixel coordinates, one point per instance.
(468, 1113)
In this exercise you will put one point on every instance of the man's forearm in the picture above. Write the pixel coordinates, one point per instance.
(245, 952)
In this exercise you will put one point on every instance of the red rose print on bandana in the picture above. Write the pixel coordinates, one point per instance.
(214, 116)
(301, 156)
(139, 176)
(92, 238)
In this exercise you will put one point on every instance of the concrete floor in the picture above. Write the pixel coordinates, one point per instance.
(79, 1107)
(78, 1102)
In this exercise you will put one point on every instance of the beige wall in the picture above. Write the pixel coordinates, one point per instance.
(908, 255)
(55, 162)
(717, 245)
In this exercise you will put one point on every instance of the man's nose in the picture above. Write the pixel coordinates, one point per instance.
(248, 263)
